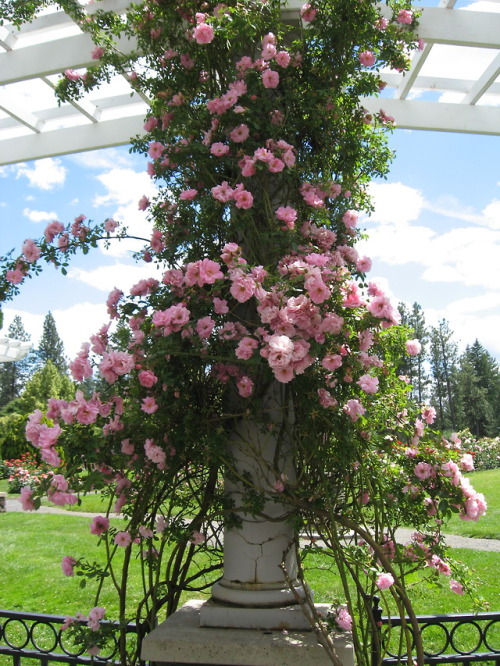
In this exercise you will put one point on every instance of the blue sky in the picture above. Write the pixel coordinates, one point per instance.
(434, 237)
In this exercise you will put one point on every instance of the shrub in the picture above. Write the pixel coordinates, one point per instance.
(23, 471)
(485, 451)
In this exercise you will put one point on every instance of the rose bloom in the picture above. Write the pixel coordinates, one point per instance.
(188, 195)
(123, 539)
(149, 405)
(31, 251)
(456, 587)
(67, 565)
(367, 58)
(203, 33)
(147, 378)
(240, 133)
(384, 581)
(307, 12)
(219, 149)
(405, 16)
(413, 347)
(243, 199)
(99, 525)
(270, 78)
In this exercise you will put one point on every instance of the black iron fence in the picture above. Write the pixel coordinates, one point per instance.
(38, 637)
(459, 638)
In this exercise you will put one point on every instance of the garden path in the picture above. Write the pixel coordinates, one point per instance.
(404, 535)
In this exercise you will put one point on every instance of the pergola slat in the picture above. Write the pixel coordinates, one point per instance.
(45, 48)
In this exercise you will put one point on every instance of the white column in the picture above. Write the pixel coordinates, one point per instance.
(262, 454)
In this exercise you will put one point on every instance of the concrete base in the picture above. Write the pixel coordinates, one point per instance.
(181, 640)
(225, 616)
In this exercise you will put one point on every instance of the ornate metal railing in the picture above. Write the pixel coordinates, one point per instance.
(38, 636)
(459, 638)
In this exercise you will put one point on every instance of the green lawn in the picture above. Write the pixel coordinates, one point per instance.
(32, 546)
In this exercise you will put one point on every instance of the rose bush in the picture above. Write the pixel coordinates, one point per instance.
(261, 151)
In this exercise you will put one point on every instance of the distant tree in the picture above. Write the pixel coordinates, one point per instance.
(47, 382)
(479, 391)
(414, 367)
(444, 365)
(473, 409)
(13, 375)
(51, 347)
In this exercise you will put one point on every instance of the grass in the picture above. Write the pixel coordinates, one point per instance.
(31, 549)
(32, 546)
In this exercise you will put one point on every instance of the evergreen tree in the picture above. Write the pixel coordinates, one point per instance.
(51, 347)
(47, 382)
(414, 367)
(444, 365)
(480, 407)
(13, 375)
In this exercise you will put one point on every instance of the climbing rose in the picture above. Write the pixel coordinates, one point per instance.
(203, 33)
(456, 587)
(384, 581)
(270, 78)
(147, 378)
(99, 525)
(413, 347)
(123, 539)
(25, 499)
(67, 565)
(367, 58)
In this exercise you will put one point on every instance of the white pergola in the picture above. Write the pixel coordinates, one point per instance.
(433, 95)
(13, 350)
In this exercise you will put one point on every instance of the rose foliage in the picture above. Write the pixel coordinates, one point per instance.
(261, 152)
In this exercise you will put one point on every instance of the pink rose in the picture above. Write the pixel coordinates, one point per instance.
(188, 195)
(307, 12)
(456, 587)
(243, 199)
(367, 58)
(149, 405)
(413, 347)
(26, 499)
(270, 78)
(368, 384)
(31, 251)
(99, 525)
(203, 33)
(67, 565)
(384, 581)
(147, 378)
(405, 16)
(123, 539)
(219, 149)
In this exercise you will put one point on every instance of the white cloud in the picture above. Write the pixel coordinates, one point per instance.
(398, 244)
(492, 214)
(469, 325)
(466, 255)
(45, 174)
(74, 325)
(124, 187)
(395, 203)
(106, 278)
(106, 158)
(39, 215)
